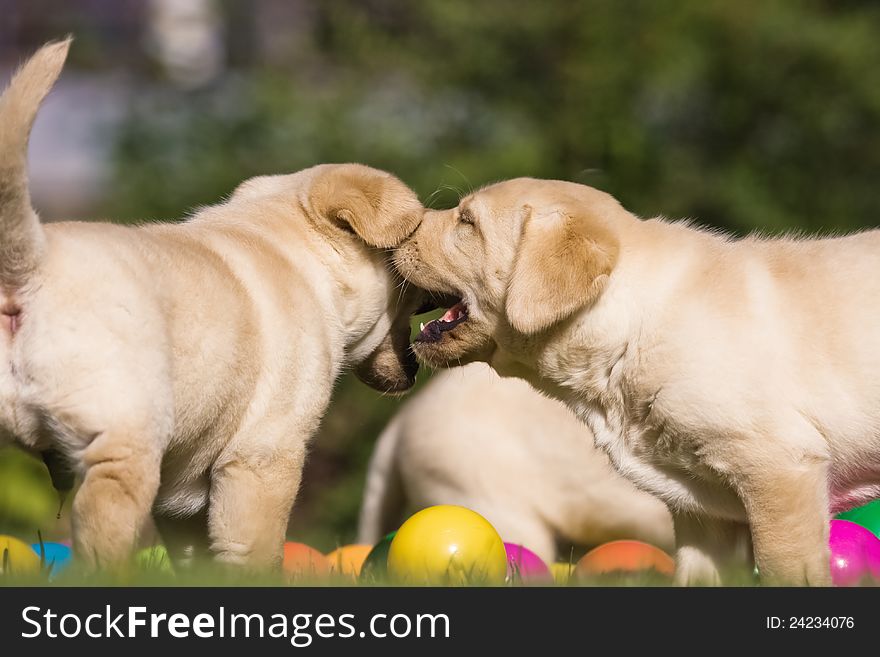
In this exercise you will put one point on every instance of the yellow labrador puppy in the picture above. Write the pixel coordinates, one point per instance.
(736, 379)
(183, 368)
(519, 458)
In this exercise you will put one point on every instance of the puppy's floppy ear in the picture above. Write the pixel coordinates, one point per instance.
(563, 262)
(375, 205)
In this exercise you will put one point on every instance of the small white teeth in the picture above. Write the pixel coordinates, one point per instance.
(422, 326)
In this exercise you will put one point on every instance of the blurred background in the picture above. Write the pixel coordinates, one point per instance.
(749, 116)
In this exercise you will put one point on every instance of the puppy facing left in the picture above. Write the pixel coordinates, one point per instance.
(182, 369)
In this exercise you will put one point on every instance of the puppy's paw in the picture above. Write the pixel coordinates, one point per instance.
(694, 568)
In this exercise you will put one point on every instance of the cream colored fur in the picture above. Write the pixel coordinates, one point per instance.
(520, 459)
(737, 380)
(183, 368)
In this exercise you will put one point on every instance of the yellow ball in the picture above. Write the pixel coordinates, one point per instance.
(447, 545)
(18, 556)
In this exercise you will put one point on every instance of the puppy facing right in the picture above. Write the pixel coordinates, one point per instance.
(736, 379)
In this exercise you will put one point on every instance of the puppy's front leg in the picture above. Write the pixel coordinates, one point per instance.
(113, 504)
(787, 505)
(252, 494)
(710, 550)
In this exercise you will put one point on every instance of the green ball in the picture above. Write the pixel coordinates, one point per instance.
(375, 566)
(868, 516)
(154, 558)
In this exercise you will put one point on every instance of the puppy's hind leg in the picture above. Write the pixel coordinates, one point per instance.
(116, 496)
(253, 488)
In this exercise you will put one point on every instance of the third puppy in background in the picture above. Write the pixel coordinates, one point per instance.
(520, 459)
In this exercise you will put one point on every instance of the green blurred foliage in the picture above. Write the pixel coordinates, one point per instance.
(27, 501)
(742, 115)
(746, 115)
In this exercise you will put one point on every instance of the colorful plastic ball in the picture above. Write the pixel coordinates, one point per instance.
(154, 557)
(447, 545)
(375, 566)
(563, 572)
(301, 560)
(625, 557)
(17, 557)
(348, 559)
(855, 554)
(868, 516)
(525, 566)
(55, 557)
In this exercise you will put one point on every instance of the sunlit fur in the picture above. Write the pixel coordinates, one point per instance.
(734, 379)
(183, 368)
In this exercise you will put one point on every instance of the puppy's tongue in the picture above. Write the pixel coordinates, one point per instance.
(433, 331)
(456, 312)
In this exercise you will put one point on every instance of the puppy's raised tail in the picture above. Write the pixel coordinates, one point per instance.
(22, 240)
(383, 494)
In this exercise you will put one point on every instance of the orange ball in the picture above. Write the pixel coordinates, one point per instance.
(348, 559)
(300, 560)
(625, 556)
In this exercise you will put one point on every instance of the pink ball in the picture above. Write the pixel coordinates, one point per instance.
(855, 553)
(525, 566)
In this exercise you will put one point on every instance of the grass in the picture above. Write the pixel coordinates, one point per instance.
(156, 574)
(217, 577)
(151, 567)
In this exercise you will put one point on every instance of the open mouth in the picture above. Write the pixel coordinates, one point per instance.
(433, 331)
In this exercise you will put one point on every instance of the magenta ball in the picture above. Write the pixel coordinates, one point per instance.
(855, 553)
(526, 566)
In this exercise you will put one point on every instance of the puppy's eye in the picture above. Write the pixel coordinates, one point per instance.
(466, 217)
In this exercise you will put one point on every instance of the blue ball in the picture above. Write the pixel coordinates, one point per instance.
(55, 556)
